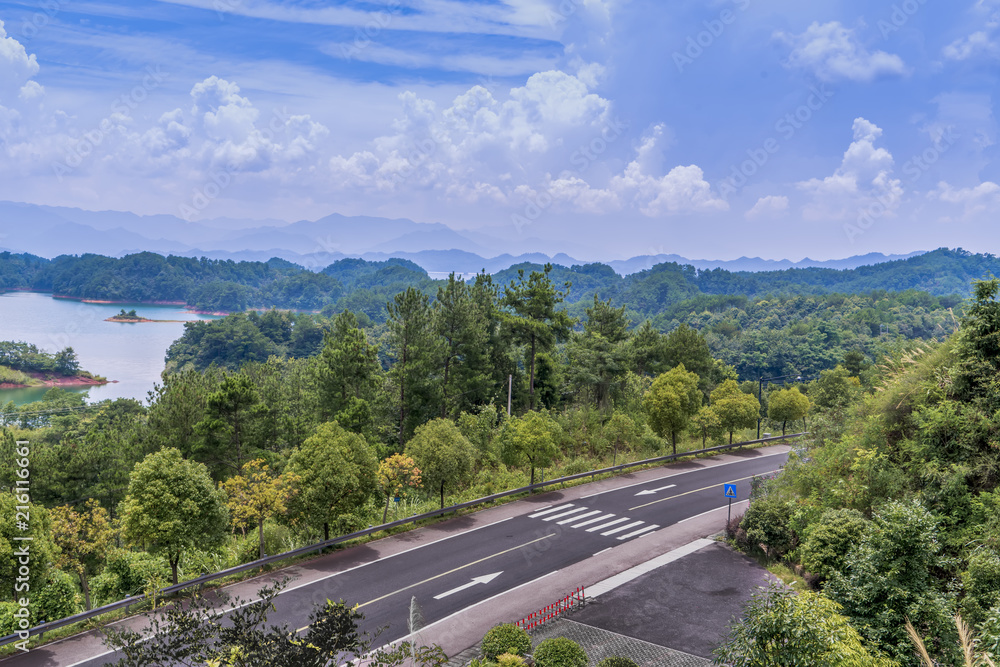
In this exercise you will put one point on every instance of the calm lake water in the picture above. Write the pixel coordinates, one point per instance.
(131, 353)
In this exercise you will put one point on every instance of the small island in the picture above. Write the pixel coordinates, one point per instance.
(24, 365)
(131, 317)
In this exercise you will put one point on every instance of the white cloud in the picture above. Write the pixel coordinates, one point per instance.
(833, 52)
(16, 67)
(767, 206)
(974, 200)
(979, 42)
(863, 180)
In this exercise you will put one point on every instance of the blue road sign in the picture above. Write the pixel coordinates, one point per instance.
(730, 490)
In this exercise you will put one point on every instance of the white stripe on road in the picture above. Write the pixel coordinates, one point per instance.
(622, 578)
(551, 509)
(638, 532)
(562, 514)
(577, 518)
(621, 528)
(587, 523)
(606, 525)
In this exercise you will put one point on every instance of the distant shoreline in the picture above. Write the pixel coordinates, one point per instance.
(136, 320)
(43, 380)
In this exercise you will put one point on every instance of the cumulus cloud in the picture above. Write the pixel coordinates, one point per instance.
(766, 206)
(973, 200)
(16, 68)
(863, 180)
(833, 52)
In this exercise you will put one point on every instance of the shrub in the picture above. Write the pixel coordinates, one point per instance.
(509, 660)
(127, 573)
(57, 599)
(617, 661)
(560, 652)
(767, 522)
(505, 638)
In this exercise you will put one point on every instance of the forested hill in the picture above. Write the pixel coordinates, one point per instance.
(364, 287)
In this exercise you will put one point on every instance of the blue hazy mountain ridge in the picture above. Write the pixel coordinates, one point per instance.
(50, 231)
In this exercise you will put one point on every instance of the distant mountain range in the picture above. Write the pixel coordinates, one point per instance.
(49, 231)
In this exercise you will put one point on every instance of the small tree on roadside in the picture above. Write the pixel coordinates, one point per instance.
(706, 423)
(443, 454)
(787, 405)
(735, 409)
(671, 402)
(83, 539)
(257, 494)
(172, 506)
(532, 442)
(621, 430)
(395, 474)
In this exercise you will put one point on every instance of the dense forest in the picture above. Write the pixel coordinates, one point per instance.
(364, 287)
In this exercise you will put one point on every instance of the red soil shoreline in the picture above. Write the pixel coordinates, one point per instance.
(63, 381)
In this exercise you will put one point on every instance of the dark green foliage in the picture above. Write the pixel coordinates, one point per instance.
(829, 540)
(191, 634)
(617, 661)
(21, 356)
(505, 638)
(56, 599)
(559, 652)
(767, 521)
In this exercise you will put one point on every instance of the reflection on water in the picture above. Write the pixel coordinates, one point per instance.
(131, 353)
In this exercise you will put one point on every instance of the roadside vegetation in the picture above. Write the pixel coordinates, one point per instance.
(892, 512)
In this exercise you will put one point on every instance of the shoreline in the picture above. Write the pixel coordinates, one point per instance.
(62, 381)
(137, 320)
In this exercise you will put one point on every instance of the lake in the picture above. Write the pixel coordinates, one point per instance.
(131, 353)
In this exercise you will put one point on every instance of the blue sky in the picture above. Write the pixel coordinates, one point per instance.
(607, 128)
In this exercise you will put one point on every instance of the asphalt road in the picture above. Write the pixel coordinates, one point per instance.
(465, 568)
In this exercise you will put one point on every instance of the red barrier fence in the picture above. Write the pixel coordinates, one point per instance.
(546, 614)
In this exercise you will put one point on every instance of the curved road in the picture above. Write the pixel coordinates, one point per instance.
(487, 554)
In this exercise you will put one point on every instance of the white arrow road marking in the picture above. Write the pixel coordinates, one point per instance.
(485, 579)
(650, 492)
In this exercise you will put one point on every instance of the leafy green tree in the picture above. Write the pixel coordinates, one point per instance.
(736, 410)
(336, 476)
(621, 430)
(825, 548)
(780, 628)
(229, 429)
(532, 316)
(686, 347)
(645, 347)
(173, 506)
(888, 578)
(66, 362)
(671, 402)
(532, 442)
(443, 454)
(707, 424)
(598, 358)
(835, 389)
(40, 548)
(178, 405)
(787, 405)
(981, 584)
(413, 348)
(83, 539)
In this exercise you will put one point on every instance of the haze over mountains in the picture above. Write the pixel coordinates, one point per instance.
(49, 231)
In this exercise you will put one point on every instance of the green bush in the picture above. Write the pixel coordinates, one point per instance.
(560, 652)
(767, 522)
(57, 599)
(617, 661)
(127, 573)
(509, 660)
(505, 638)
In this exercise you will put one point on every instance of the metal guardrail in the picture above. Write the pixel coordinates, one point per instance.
(319, 546)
